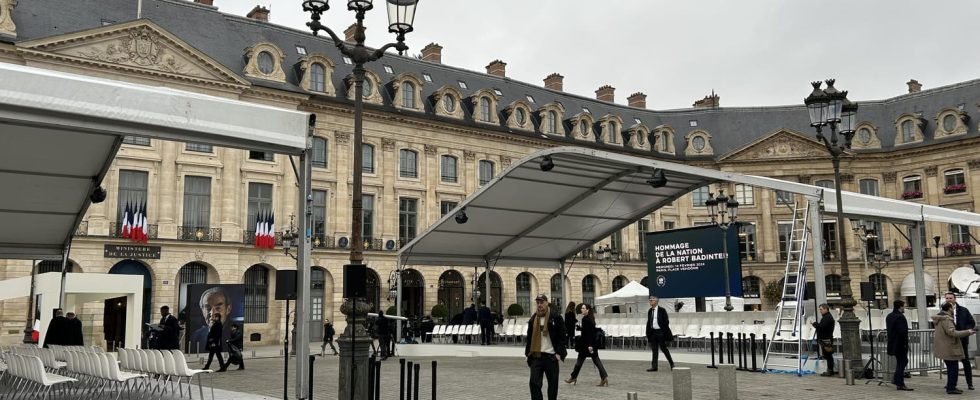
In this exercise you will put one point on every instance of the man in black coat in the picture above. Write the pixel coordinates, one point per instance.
(485, 319)
(167, 338)
(58, 328)
(383, 328)
(963, 321)
(544, 348)
(469, 318)
(825, 337)
(658, 333)
(76, 336)
(235, 345)
(898, 342)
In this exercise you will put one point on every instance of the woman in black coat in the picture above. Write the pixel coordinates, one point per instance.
(570, 323)
(214, 343)
(586, 346)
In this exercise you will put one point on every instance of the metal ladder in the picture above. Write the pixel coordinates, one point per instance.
(788, 329)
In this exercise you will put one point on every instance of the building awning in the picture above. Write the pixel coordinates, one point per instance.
(908, 285)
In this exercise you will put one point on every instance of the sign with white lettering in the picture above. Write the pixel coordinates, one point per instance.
(131, 251)
(690, 262)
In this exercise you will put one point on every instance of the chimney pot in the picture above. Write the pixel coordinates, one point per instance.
(554, 81)
(606, 93)
(914, 86)
(711, 101)
(432, 52)
(259, 13)
(497, 68)
(637, 100)
(350, 32)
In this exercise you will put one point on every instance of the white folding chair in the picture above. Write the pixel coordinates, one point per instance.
(183, 370)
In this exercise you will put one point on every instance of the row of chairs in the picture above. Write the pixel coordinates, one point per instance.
(27, 377)
(446, 332)
(164, 366)
(96, 372)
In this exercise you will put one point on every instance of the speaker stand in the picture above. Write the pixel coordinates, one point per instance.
(285, 358)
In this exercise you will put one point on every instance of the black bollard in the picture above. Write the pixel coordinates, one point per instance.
(401, 380)
(371, 377)
(741, 352)
(433, 380)
(712, 334)
(408, 381)
(416, 386)
(312, 359)
(754, 366)
(377, 381)
(731, 348)
(721, 348)
(764, 348)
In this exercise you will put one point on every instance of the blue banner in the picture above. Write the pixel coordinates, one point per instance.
(690, 262)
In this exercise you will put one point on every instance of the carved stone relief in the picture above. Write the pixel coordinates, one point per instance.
(505, 161)
(973, 164)
(143, 48)
(889, 177)
(469, 155)
(7, 25)
(931, 171)
(388, 144)
(431, 149)
(784, 147)
(846, 178)
(342, 137)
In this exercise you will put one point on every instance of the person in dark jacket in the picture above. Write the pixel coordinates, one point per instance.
(658, 333)
(75, 336)
(383, 328)
(328, 334)
(570, 322)
(214, 343)
(167, 337)
(235, 345)
(898, 342)
(58, 328)
(586, 346)
(825, 337)
(469, 318)
(485, 318)
(544, 348)
(963, 321)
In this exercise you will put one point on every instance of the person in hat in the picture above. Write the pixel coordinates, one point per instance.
(544, 348)
(658, 333)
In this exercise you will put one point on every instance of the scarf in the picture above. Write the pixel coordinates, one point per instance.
(536, 331)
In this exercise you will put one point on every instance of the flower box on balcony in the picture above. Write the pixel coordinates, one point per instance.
(960, 188)
(958, 248)
(911, 195)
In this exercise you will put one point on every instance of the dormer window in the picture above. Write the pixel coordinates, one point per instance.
(462, 85)
(951, 122)
(266, 63)
(408, 95)
(698, 144)
(484, 109)
(446, 102)
(427, 77)
(530, 99)
(317, 76)
(484, 103)
(551, 123)
(348, 61)
(521, 116)
(583, 127)
(389, 70)
(908, 131)
(498, 92)
(317, 73)
(367, 88)
(909, 127)
(301, 50)
(449, 103)
(613, 133)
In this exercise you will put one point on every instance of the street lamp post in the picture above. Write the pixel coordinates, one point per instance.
(719, 207)
(608, 257)
(879, 259)
(830, 108)
(935, 244)
(401, 16)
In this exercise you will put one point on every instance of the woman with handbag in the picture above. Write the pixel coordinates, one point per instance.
(947, 345)
(825, 337)
(587, 347)
(214, 343)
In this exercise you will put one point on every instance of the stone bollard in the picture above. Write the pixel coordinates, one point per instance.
(631, 396)
(727, 387)
(682, 384)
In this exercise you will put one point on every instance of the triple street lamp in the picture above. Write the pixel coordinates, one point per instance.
(721, 207)
(830, 108)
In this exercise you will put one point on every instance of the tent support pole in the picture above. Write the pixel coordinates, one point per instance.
(918, 273)
(64, 273)
(816, 236)
(304, 303)
(564, 288)
(398, 297)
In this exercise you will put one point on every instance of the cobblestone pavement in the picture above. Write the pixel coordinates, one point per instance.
(462, 378)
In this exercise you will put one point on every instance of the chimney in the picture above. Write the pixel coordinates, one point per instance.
(258, 13)
(205, 2)
(497, 68)
(350, 32)
(554, 81)
(914, 86)
(432, 52)
(712, 101)
(606, 93)
(637, 100)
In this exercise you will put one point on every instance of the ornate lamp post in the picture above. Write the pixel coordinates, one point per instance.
(935, 244)
(608, 257)
(719, 207)
(880, 258)
(830, 108)
(401, 16)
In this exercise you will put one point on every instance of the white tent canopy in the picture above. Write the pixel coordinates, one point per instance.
(60, 133)
(908, 285)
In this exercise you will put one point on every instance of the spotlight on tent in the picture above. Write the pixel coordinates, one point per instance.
(547, 164)
(658, 180)
(461, 217)
(98, 195)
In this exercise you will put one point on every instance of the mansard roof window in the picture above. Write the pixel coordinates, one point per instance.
(348, 61)
(367, 88)
(301, 50)
(449, 102)
(462, 85)
(266, 63)
(586, 109)
(427, 77)
(389, 70)
(530, 99)
(693, 122)
(317, 78)
(484, 109)
(408, 95)
(521, 116)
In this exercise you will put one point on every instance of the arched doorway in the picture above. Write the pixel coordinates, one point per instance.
(496, 291)
(114, 315)
(413, 294)
(372, 289)
(451, 293)
(645, 282)
(256, 294)
(556, 298)
(318, 284)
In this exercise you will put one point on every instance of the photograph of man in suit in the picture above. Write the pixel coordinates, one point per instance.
(214, 303)
(963, 321)
(658, 333)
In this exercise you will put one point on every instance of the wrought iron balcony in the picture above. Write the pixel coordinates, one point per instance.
(115, 230)
(82, 229)
(248, 237)
(321, 241)
(199, 233)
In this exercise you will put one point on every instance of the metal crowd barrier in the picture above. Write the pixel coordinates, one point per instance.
(921, 357)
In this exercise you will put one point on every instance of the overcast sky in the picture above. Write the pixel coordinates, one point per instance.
(750, 52)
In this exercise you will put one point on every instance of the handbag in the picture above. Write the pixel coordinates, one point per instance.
(826, 345)
(600, 338)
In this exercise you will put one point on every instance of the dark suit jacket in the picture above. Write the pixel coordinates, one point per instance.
(58, 331)
(214, 336)
(964, 321)
(485, 316)
(898, 333)
(75, 335)
(556, 332)
(663, 320)
(469, 316)
(171, 330)
(825, 328)
(586, 338)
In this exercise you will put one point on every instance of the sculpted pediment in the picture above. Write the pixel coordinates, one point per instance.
(779, 145)
(141, 46)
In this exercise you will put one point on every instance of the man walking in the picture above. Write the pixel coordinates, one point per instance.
(485, 318)
(825, 337)
(328, 334)
(963, 321)
(658, 333)
(898, 342)
(168, 336)
(545, 346)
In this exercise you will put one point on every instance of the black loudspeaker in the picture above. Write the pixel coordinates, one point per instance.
(355, 280)
(810, 292)
(286, 285)
(867, 291)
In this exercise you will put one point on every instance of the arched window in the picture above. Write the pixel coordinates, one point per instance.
(908, 131)
(551, 122)
(257, 294)
(583, 127)
(367, 158)
(556, 298)
(618, 282)
(524, 292)
(319, 152)
(664, 142)
(408, 95)
(318, 78)
(645, 281)
(413, 293)
(484, 109)
(613, 135)
(496, 291)
(192, 273)
(53, 266)
(588, 289)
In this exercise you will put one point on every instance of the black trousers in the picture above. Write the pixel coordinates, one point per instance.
(221, 359)
(595, 360)
(545, 366)
(658, 343)
(328, 341)
(385, 343)
(829, 356)
(952, 374)
(486, 332)
(967, 366)
(901, 361)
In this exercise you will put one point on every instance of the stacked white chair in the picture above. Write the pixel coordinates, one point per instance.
(29, 378)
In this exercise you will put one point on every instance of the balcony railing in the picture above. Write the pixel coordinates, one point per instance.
(115, 230)
(199, 233)
(82, 229)
(959, 249)
(321, 241)
(248, 237)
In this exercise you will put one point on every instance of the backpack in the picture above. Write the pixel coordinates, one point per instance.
(600, 338)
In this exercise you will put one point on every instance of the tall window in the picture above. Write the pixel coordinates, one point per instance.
(616, 240)
(551, 122)
(699, 196)
(583, 127)
(751, 287)
(256, 294)
(869, 187)
(319, 152)
(486, 171)
(613, 135)
(834, 286)
(367, 217)
(449, 169)
(408, 166)
(959, 234)
(319, 214)
(746, 241)
(407, 219)
(317, 78)
(784, 197)
(618, 282)
(955, 182)
(446, 206)
(197, 202)
(132, 190)
(783, 230)
(318, 282)
(260, 155)
(825, 183)
(642, 227)
(556, 298)
(829, 236)
(136, 140)
(744, 194)
(199, 147)
(367, 158)
(912, 187)
(484, 109)
(259, 201)
(588, 290)
(908, 131)
(408, 94)
(524, 292)
(664, 142)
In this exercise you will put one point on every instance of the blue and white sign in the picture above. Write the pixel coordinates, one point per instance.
(690, 262)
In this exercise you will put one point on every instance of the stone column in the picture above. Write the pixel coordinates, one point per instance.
(167, 181)
(342, 197)
(231, 188)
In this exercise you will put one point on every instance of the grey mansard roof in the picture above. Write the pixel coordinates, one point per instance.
(224, 37)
